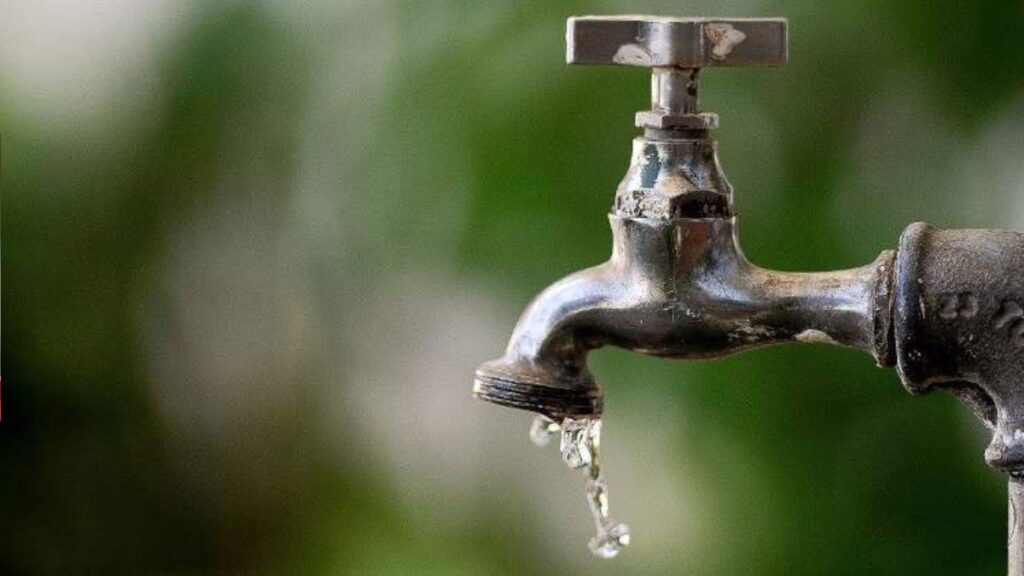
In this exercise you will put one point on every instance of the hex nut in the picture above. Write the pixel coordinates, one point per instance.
(662, 120)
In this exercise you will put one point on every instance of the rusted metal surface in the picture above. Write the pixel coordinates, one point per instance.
(959, 326)
(958, 317)
(947, 308)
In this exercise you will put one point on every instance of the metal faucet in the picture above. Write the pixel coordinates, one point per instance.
(946, 308)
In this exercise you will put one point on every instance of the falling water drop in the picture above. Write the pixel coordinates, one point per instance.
(580, 447)
(611, 536)
(542, 430)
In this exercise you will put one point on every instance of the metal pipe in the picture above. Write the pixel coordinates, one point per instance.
(1015, 537)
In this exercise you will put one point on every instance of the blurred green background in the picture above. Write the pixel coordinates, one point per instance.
(255, 250)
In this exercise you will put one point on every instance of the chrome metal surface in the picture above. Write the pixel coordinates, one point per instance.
(681, 289)
(651, 41)
(676, 49)
(674, 175)
(675, 90)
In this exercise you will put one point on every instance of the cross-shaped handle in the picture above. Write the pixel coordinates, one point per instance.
(655, 41)
(676, 49)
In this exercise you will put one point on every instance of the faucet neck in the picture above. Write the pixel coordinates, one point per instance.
(673, 174)
(675, 102)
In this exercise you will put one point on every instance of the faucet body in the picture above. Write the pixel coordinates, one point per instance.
(677, 286)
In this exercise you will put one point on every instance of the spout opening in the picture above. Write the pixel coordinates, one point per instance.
(518, 384)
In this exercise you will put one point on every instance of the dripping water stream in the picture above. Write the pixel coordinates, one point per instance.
(580, 446)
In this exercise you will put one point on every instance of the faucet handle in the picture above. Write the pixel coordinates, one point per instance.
(676, 49)
(657, 41)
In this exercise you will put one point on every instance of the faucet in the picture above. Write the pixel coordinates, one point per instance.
(946, 308)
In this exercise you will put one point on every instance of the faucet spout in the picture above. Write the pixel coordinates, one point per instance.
(677, 288)
(544, 368)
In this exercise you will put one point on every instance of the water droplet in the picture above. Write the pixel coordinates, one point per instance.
(543, 430)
